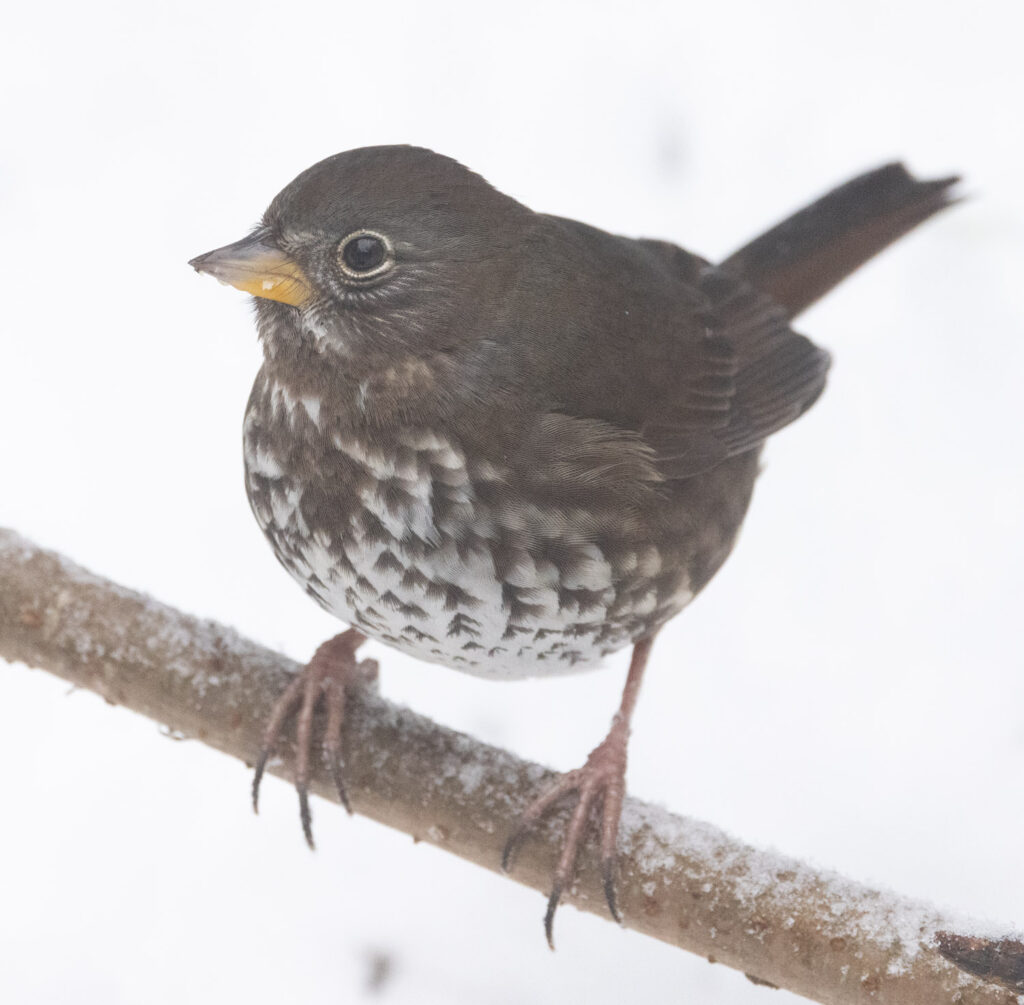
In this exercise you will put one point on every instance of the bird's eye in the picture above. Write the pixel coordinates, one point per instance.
(365, 254)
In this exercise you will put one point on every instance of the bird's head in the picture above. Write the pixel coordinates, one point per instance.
(376, 251)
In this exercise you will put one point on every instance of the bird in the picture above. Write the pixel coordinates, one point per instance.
(512, 443)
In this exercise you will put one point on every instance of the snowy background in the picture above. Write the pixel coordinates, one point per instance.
(848, 690)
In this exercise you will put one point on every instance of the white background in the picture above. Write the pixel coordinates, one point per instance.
(849, 688)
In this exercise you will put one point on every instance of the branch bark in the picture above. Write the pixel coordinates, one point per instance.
(682, 881)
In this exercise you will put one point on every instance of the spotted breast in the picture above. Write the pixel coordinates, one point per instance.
(426, 549)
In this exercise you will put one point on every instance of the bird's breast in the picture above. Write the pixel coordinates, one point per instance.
(438, 552)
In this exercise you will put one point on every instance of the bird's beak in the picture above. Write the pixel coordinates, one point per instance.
(257, 266)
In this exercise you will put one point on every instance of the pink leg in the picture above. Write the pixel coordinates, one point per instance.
(328, 675)
(600, 782)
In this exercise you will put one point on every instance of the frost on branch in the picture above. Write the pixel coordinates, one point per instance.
(779, 921)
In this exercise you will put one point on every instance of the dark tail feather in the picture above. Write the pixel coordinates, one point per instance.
(801, 259)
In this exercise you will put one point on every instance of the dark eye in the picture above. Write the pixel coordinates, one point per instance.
(365, 254)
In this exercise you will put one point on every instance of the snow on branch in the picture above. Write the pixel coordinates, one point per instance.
(684, 882)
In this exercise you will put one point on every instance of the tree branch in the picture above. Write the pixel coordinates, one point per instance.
(682, 881)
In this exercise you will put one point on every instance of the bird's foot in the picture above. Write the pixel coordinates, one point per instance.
(601, 782)
(329, 675)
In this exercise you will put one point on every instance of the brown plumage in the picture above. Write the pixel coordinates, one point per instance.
(512, 443)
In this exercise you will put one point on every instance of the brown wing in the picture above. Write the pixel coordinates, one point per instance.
(727, 371)
(750, 375)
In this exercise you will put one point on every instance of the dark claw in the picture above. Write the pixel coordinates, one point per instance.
(339, 785)
(325, 676)
(257, 777)
(306, 815)
(511, 847)
(549, 915)
(608, 873)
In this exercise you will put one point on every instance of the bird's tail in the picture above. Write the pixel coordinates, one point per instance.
(799, 260)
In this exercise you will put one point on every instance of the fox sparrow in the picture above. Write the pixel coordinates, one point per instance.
(512, 443)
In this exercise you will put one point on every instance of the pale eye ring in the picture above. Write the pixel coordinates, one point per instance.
(365, 254)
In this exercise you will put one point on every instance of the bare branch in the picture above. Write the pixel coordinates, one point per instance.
(682, 881)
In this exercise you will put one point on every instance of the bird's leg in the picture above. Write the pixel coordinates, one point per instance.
(600, 782)
(328, 675)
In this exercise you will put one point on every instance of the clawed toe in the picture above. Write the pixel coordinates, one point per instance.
(283, 707)
(599, 783)
(328, 675)
(608, 881)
